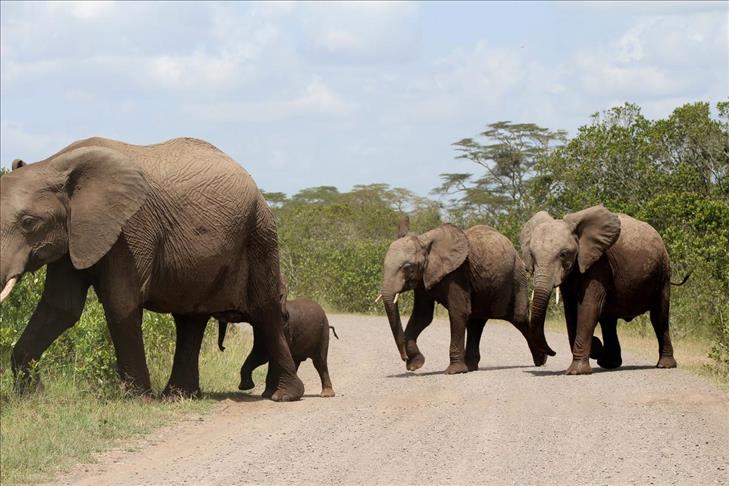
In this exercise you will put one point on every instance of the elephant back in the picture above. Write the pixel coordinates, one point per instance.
(491, 259)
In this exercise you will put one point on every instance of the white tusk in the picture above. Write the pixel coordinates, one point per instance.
(532, 297)
(396, 297)
(378, 298)
(556, 295)
(8, 288)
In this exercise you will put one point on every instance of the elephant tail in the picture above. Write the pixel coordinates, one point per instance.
(682, 281)
(334, 331)
(222, 329)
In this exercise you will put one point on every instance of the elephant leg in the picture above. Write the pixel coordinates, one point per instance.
(320, 363)
(456, 351)
(659, 318)
(272, 378)
(473, 341)
(185, 377)
(257, 357)
(611, 357)
(59, 308)
(281, 364)
(421, 317)
(588, 312)
(118, 291)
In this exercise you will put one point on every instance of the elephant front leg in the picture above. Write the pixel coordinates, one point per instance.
(422, 316)
(257, 357)
(473, 341)
(185, 377)
(59, 308)
(456, 351)
(588, 312)
(610, 356)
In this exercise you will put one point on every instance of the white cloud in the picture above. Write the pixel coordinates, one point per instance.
(85, 10)
(317, 100)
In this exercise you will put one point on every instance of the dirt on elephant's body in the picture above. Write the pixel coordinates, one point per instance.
(508, 423)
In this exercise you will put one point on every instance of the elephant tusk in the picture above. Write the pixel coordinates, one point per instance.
(531, 298)
(378, 298)
(556, 295)
(397, 295)
(8, 288)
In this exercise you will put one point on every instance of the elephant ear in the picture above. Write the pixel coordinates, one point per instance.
(525, 237)
(404, 226)
(446, 250)
(597, 229)
(104, 188)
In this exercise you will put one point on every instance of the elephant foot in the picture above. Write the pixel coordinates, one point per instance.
(289, 392)
(178, 392)
(579, 367)
(327, 392)
(25, 384)
(610, 362)
(666, 362)
(472, 363)
(416, 362)
(539, 359)
(455, 368)
(596, 348)
(247, 384)
(267, 393)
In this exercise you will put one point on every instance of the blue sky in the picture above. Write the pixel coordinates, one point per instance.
(307, 94)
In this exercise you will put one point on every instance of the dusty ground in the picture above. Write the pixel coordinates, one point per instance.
(508, 423)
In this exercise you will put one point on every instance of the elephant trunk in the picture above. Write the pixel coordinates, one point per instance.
(538, 311)
(393, 315)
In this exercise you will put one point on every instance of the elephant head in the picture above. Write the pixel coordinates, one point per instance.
(74, 203)
(551, 248)
(414, 262)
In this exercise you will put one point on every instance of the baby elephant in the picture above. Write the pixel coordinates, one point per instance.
(307, 331)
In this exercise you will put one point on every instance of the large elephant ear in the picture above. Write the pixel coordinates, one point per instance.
(105, 188)
(597, 229)
(525, 237)
(446, 250)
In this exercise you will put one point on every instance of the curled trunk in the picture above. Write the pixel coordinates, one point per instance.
(393, 316)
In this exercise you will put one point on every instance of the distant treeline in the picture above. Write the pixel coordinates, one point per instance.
(670, 172)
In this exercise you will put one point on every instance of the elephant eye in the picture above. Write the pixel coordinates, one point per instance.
(27, 222)
(563, 254)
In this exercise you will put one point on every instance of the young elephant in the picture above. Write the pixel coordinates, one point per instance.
(307, 331)
(609, 266)
(476, 275)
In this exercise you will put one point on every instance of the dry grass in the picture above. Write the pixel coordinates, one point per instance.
(43, 434)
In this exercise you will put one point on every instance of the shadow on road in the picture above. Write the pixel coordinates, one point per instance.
(408, 374)
(595, 370)
(234, 396)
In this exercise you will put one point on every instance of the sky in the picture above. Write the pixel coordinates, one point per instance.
(310, 94)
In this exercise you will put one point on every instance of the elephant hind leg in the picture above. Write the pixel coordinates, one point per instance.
(610, 357)
(185, 377)
(474, 331)
(659, 318)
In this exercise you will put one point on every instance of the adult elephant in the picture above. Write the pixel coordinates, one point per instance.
(609, 266)
(476, 275)
(176, 227)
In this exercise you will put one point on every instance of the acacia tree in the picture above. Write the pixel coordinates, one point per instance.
(500, 194)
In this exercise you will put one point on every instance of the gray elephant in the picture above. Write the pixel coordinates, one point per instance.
(307, 331)
(176, 227)
(609, 266)
(477, 275)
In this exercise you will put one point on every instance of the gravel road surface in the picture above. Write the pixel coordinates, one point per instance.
(508, 423)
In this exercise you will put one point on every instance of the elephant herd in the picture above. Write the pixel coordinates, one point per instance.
(181, 228)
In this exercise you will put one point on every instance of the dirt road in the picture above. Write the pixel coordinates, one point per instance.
(508, 423)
